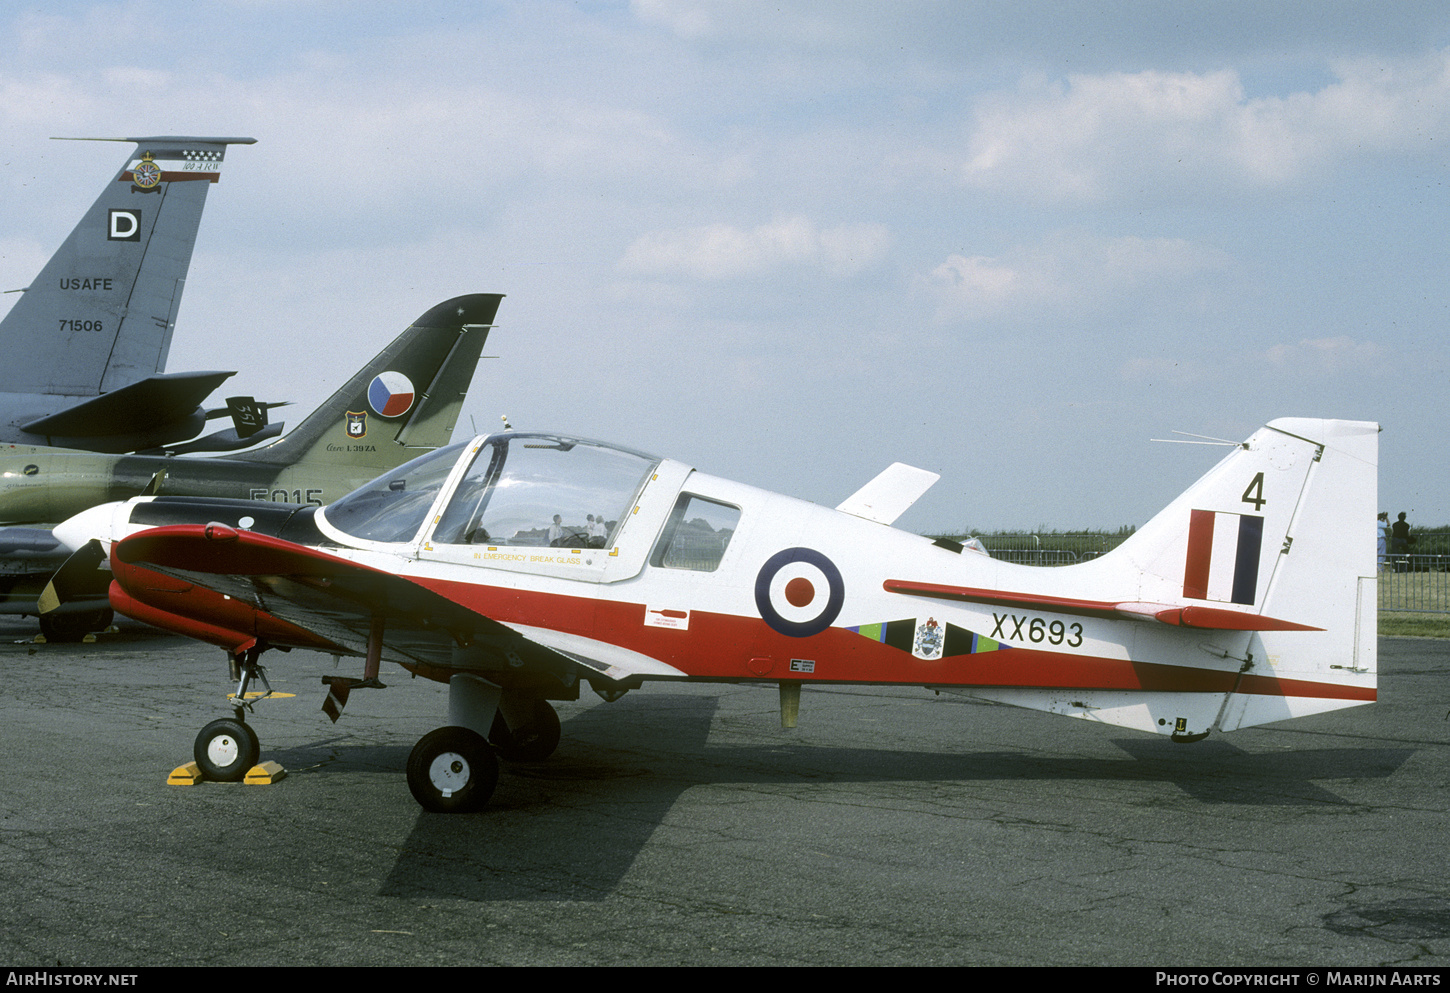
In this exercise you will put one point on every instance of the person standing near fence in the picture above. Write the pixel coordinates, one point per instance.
(1400, 544)
(1382, 526)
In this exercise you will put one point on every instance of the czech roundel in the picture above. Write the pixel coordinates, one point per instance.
(390, 394)
(799, 592)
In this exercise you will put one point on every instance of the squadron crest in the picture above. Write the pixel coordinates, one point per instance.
(146, 174)
(929, 640)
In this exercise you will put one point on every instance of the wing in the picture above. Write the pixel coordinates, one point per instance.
(233, 583)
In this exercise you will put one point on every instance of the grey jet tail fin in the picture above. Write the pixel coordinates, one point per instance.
(101, 313)
(409, 395)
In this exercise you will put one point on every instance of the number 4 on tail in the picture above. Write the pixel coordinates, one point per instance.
(1255, 493)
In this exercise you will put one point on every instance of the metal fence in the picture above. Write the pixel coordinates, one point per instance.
(1418, 583)
(1046, 549)
(1430, 542)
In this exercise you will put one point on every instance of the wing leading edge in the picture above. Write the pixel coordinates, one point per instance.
(325, 602)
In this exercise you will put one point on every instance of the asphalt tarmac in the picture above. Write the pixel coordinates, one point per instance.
(683, 825)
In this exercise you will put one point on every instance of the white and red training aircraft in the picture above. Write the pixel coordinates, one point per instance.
(517, 566)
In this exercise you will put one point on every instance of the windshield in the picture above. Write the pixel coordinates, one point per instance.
(544, 490)
(394, 506)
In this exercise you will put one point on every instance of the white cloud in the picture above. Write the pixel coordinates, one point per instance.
(1326, 356)
(1319, 358)
(684, 19)
(1097, 136)
(723, 251)
(126, 26)
(35, 101)
(1065, 271)
(763, 21)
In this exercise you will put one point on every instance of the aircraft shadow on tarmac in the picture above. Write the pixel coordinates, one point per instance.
(571, 828)
(1411, 919)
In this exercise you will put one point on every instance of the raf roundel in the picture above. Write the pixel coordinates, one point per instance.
(799, 592)
(391, 394)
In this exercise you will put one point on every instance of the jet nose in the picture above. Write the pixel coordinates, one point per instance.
(88, 524)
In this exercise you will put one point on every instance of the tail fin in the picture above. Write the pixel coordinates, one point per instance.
(1284, 528)
(409, 395)
(101, 313)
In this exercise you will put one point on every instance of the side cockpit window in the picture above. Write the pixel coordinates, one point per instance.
(696, 535)
(394, 506)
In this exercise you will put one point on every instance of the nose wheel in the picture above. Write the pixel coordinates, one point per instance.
(452, 770)
(226, 749)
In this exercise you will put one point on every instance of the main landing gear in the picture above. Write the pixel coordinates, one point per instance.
(454, 769)
(534, 741)
(73, 627)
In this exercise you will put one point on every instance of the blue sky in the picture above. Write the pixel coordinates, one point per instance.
(791, 243)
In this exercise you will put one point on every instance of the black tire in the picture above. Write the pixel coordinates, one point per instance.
(226, 749)
(75, 626)
(452, 770)
(534, 742)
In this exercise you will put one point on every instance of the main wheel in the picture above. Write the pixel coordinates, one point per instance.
(74, 627)
(533, 742)
(226, 749)
(452, 770)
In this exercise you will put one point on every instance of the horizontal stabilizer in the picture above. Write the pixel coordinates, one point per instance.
(224, 441)
(134, 409)
(888, 496)
(174, 139)
(1189, 616)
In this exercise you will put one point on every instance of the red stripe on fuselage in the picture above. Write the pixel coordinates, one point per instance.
(728, 646)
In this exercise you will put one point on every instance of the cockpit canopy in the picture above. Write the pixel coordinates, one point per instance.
(517, 489)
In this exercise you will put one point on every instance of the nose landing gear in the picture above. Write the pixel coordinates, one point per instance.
(226, 749)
